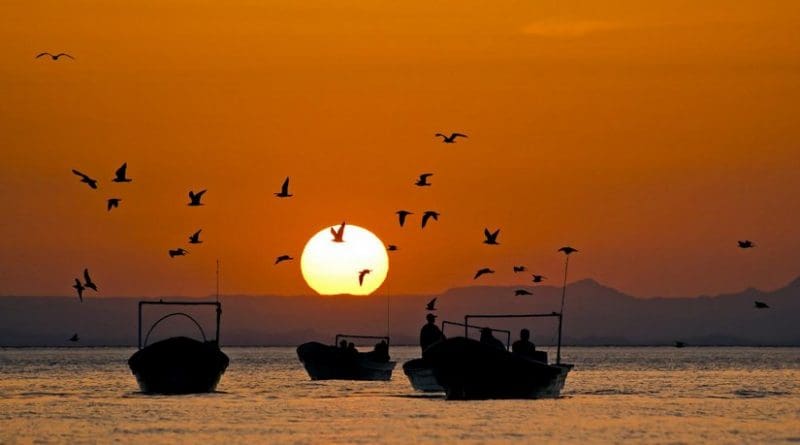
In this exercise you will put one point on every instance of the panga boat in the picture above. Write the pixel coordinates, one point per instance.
(326, 362)
(468, 369)
(178, 365)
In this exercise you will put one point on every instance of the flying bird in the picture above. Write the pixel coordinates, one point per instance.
(746, 244)
(483, 271)
(79, 287)
(567, 250)
(284, 193)
(283, 258)
(88, 284)
(423, 180)
(361, 275)
(54, 57)
(177, 252)
(760, 305)
(402, 214)
(521, 292)
(120, 174)
(112, 203)
(429, 214)
(518, 269)
(431, 306)
(84, 178)
(538, 278)
(338, 234)
(491, 238)
(74, 338)
(391, 248)
(196, 197)
(195, 237)
(450, 139)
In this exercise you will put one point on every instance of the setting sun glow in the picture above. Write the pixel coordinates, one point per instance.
(332, 268)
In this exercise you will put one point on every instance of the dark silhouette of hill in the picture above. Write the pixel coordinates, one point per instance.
(595, 315)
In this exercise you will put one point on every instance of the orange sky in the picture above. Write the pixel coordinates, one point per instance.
(650, 135)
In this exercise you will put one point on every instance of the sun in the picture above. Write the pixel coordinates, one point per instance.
(332, 268)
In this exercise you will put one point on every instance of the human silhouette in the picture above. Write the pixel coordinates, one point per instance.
(88, 281)
(483, 271)
(431, 306)
(112, 203)
(491, 237)
(524, 345)
(120, 174)
(380, 353)
(450, 139)
(518, 269)
(195, 237)
(194, 198)
(489, 339)
(338, 234)
(361, 275)
(79, 288)
(521, 292)
(177, 252)
(429, 214)
(423, 180)
(54, 56)
(86, 179)
(430, 333)
(284, 193)
(283, 258)
(402, 214)
(760, 305)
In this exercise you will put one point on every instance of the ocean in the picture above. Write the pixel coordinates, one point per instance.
(614, 395)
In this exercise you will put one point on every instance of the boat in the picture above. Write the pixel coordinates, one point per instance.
(178, 365)
(468, 369)
(334, 362)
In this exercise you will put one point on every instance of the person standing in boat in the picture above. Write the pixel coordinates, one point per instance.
(430, 333)
(524, 346)
(488, 338)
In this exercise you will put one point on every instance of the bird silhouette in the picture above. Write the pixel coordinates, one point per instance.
(195, 237)
(518, 269)
(284, 193)
(79, 287)
(567, 250)
(431, 306)
(483, 271)
(120, 174)
(54, 57)
(423, 180)
(88, 283)
(402, 214)
(450, 139)
(746, 244)
(491, 238)
(283, 258)
(74, 338)
(391, 248)
(521, 292)
(429, 214)
(538, 278)
(196, 197)
(84, 178)
(760, 305)
(338, 235)
(177, 252)
(361, 275)
(112, 203)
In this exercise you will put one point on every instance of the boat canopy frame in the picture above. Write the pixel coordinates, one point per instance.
(472, 326)
(539, 315)
(142, 303)
(366, 337)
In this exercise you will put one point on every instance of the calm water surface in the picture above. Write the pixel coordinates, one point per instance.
(647, 395)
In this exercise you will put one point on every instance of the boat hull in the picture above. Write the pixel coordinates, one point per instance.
(178, 365)
(324, 362)
(470, 370)
(421, 376)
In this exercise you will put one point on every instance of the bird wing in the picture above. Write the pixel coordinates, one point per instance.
(495, 233)
(333, 232)
(425, 218)
(120, 173)
(80, 174)
(487, 234)
(425, 176)
(86, 276)
(64, 54)
(441, 135)
(285, 186)
(200, 193)
(455, 135)
(43, 54)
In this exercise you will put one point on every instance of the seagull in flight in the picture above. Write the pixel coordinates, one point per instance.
(491, 238)
(483, 271)
(338, 234)
(431, 306)
(84, 178)
(120, 174)
(177, 252)
(429, 214)
(760, 305)
(361, 275)
(283, 258)
(521, 292)
(196, 197)
(423, 180)
(74, 338)
(391, 248)
(54, 57)
(402, 214)
(450, 139)
(112, 203)
(195, 237)
(88, 284)
(538, 278)
(567, 250)
(518, 269)
(284, 193)
(79, 287)
(746, 244)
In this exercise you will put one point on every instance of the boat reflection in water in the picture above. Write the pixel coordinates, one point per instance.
(343, 361)
(178, 365)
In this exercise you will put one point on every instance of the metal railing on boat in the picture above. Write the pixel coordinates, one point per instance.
(551, 314)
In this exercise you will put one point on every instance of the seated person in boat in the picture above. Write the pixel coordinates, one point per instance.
(524, 345)
(488, 338)
(380, 353)
(343, 344)
(430, 333)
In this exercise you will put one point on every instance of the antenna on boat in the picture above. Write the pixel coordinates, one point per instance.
(217, 295)
(388, 295)
(567, 251)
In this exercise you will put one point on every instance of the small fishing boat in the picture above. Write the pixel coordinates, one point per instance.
(178, 365)
(468, 369)
(345, 362)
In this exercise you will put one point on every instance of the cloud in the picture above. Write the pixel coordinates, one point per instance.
(569, 28)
